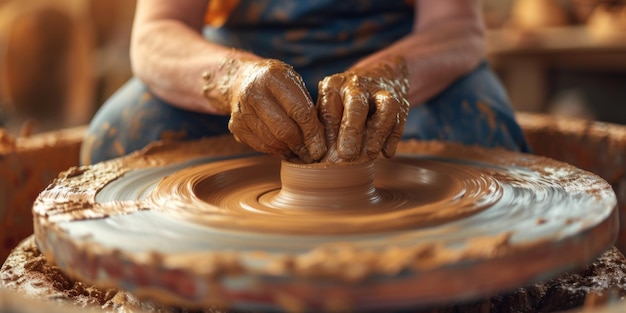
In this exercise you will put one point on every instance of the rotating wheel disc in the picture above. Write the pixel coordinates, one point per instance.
(182, 224)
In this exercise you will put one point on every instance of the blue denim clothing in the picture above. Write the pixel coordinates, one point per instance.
(473, 110)
(317, 37)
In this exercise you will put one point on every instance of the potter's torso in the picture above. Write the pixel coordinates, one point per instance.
(317, 37)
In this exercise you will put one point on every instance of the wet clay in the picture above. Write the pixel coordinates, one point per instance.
(323, 198)
(193, 214)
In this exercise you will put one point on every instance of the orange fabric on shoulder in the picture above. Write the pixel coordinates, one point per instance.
(218, 11)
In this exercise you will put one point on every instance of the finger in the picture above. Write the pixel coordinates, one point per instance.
(330, 111)
(296, 102)
(389, 149)
(277, 123)
(246, 127)
(258, 105)
(330, 106)
(381, 123)
(355, 113)
(254, 133)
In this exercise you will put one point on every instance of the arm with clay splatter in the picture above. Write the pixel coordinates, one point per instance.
(269, 106)
(364, 109)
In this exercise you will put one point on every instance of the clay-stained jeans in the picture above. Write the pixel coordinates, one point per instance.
(473, 110)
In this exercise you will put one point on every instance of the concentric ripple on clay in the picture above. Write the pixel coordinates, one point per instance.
(246, 194)
(431, 196)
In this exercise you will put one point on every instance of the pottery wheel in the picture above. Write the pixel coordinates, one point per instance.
(210, 223)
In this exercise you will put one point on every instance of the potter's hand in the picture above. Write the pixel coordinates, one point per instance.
(271, 110)
(364, 111)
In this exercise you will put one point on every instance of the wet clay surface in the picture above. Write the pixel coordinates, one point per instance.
(426, 214)
(248, 194)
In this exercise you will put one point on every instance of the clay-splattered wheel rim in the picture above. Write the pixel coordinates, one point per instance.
(540, 218)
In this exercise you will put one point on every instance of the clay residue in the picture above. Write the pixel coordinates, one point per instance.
(601, 282)
(28, 271)
(593, 146)
(75, 197)
(28, 274)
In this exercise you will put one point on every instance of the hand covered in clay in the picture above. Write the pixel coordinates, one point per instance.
(364, 111)
(271, 110)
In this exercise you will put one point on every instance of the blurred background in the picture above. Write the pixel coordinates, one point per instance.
(562, 57)
(61, 59)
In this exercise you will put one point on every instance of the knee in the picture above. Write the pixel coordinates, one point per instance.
(120, 126)
(133, 118)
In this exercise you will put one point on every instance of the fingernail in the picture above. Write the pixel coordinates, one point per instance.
(347, 152)
(318, 147)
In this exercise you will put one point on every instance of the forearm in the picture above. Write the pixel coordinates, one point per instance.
(436, 55)
(170, 58)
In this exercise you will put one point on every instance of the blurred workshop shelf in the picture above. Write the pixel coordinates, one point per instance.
(524, 59)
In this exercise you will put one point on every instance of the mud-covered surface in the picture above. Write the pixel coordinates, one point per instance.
(603, 281)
